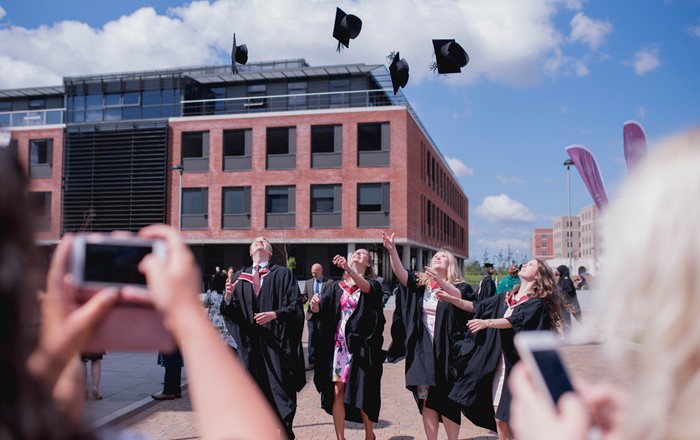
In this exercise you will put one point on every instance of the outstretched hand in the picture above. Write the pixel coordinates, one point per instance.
(389, 243)
(315, 303)
(341, 262)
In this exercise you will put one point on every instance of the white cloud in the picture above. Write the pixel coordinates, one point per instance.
(459, 167)
(589, 31)
(510, 180)
(509, 41)
(2, 12)
(646, 60)
(581, 68)
(693, 30)
(641, 112)
(495, 245)
(502, 208)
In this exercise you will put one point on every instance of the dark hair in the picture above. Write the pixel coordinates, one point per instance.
(546, 288)
(27, 409)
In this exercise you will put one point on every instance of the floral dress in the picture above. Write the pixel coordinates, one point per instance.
(213, 304)
(342, 359)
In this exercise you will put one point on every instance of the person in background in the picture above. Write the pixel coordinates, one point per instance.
(40, 339)
(349, 350)
(315, 285)
(487, 287)
(568, 296)
(172, 379)
(218, 281)
(427, 342)
(95, 371)
(509, 280)
(266, 318)
(487, 360)
(650, 331)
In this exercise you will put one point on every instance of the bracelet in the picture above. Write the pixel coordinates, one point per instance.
(489, 323)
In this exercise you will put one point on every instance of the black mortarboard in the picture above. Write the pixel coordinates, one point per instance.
(449, 56)
(488, 265)
(399, 72)
(346, 27)
(239, 54)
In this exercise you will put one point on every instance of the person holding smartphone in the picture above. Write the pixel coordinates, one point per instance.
(489, 358)
(429, 326)
(650, 331)
(42, 336)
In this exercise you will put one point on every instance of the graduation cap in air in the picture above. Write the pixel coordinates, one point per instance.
(239, 54)
(399, 72)
(449, 56)
(346, 28)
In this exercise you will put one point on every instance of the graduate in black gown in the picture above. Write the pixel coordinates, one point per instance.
(427, 326)
(486, 353)
(267, 320)
(349, 355)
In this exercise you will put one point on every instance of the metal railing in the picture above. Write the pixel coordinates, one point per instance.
(27, 118)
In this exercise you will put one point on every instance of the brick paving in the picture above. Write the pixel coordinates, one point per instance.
(399, 417)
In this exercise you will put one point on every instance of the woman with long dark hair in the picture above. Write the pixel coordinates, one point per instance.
(349, 355)
(483, 363)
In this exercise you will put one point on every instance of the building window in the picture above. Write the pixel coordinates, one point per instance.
(299, 88)
(236, 208)
(40, 208)
(238, 147)
(195, 208)
(195, 151)
(281, 148)
(372, 205)
(373, 145)
(280, 204)
(256, 97)
(338, 88)
(40, 157)
(544, 245)
(326, 146)
(326, 206)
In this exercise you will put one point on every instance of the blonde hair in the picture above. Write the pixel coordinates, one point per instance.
(653, 227)
(454, 276)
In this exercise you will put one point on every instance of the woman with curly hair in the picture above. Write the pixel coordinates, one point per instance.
(486, 359)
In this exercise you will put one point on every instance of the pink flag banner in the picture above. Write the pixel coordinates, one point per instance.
(588, 169)
(635, 143)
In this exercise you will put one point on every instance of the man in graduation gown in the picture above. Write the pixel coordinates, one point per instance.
(487, 287)
(266, 319)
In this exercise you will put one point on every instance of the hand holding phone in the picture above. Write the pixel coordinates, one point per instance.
(539, 351)
(99, 261)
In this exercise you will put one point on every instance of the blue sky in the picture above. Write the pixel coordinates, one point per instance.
(544, 74)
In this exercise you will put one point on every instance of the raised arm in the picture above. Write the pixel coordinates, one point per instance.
(396, 264)
(456, 301)
(358, 278)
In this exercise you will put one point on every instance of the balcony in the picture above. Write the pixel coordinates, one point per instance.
(32, 118)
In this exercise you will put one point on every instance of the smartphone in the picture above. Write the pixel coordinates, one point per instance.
(100, 260)
(540, 352)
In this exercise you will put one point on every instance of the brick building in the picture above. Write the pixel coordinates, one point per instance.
(318, 159)
(542, 244)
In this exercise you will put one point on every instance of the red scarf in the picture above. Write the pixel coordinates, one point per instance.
(512, 302)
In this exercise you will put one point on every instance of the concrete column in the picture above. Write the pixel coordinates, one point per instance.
(406, 257)
(419, 259)
(351, 249)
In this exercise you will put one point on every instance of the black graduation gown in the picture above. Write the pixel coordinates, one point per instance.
(487, 288)
(272, 352)
(364, 333)
(427, 360)
(477, 356)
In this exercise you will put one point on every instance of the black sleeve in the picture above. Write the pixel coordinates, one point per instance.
(530, 315)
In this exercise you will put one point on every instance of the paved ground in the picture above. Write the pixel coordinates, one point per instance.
(129, 379)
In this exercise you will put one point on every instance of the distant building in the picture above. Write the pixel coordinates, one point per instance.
(318, 159)
(542, 244)
(584, 248)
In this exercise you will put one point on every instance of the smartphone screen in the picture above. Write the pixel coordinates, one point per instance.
(553, 372)
(115, 264)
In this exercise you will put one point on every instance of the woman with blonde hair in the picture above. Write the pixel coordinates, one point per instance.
(486, 360)
(349, 355)
(429, 326)
(647, 328)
